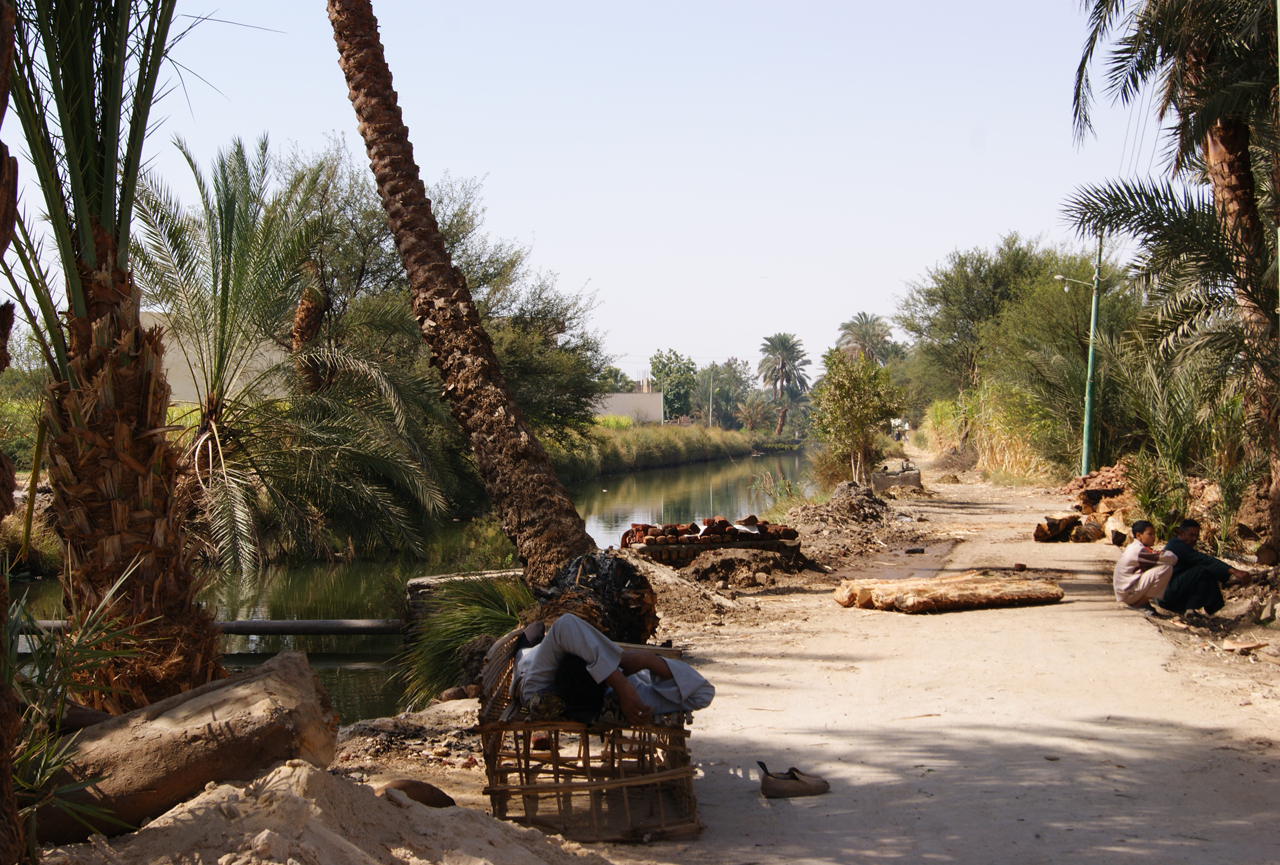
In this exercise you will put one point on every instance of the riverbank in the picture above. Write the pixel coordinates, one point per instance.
(614, 451)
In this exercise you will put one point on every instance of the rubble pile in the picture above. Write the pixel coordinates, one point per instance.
(1107, 477)
(716, 530)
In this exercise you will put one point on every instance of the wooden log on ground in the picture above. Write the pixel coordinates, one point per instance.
(1056, 527)
(229, 730)
(972, 590)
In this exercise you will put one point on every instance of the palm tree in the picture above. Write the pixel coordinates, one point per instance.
(85, 77)
(536, 511)
(866, 335)
(753, 410)
(781, 368)
(1213, 65)
(320, 437)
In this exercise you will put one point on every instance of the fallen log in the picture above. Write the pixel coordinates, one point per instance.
(972, 590)
(229, 730)
(1056, 528)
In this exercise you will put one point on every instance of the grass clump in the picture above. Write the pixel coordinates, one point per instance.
(614, 421)
(458, 612)
(609, 451)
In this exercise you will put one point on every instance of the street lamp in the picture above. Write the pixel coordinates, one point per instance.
(1088, 384)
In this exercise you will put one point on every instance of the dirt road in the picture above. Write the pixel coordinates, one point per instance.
(1073, 732)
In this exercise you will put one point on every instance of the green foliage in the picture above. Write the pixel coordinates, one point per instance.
(782, 363)
(610, 451)
(1159, 488)
(754, 411)
(920, 439)
(674, 375)
(614, 380)
(44, 553)
(945, 313)
(50, 675)
(280, 461)
(783, 495)
(719, 388)
(614, 421)
(869, 335)
(458, 611)
(83, 87)
(853, 402)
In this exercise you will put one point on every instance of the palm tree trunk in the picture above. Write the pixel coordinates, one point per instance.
(307, 319)
(114, 473)
(535, 510)
(11, 834)
(782, 420)
(10, 719)
(1226, 151)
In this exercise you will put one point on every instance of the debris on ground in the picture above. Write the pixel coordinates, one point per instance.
(741, 568)
(972, 590)
(1107, 477)
(298, 813)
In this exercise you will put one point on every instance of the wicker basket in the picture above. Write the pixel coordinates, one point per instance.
(600, 784)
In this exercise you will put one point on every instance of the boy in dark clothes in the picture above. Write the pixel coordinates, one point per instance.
(1198, 578)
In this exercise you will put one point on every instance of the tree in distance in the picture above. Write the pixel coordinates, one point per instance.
(854, 400)
(866, 334)
(675, 375)
(781, 368)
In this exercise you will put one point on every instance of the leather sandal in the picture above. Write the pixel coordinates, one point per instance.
(790, 784)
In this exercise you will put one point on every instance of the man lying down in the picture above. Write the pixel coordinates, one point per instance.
(576, 671)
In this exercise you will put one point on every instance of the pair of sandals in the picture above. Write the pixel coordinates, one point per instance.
(790, 784)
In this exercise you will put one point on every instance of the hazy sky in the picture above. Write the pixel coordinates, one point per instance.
(713, 172)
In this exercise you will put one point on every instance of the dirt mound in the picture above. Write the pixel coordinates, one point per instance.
(300, 813)
(842, 528)
(948, 479)
(740, 567)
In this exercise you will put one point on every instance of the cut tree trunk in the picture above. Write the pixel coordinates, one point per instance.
(536, 511)
(1056, 528)
(229, 730)
(972, 590)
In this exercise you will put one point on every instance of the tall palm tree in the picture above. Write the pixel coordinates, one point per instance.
(291, 436)
(84, 81)
(1213, 64)
(781, 368)
(865, 334)
(534, 507)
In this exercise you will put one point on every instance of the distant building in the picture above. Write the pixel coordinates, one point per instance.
(640, 407)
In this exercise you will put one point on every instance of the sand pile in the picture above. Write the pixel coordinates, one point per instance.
(298, 813)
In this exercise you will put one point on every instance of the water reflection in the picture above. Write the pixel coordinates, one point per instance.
(358, 672)
(677, 495)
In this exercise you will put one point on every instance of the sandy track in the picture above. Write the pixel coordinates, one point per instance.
(1075, 732)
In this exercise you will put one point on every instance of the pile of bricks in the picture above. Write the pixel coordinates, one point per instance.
(713, 531)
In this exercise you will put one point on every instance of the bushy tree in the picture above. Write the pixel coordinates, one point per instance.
(674, 375)
(946, 311)
(854, 401)
(719, 389)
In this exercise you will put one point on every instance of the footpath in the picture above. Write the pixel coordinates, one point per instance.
(1075, 732)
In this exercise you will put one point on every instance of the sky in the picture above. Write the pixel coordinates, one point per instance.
(713, 172)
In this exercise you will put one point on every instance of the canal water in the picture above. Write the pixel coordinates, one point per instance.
(361, 673)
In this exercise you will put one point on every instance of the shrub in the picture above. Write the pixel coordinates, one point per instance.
(458, 612)
(614, 421)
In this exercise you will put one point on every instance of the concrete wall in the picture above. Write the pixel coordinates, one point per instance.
(640, 407)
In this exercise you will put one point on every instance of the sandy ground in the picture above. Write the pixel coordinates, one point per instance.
(1074, 732)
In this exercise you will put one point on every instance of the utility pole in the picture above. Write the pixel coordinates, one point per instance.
(711, 398)
(1088, 385)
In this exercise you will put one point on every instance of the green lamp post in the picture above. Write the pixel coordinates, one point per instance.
(1087, 450)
